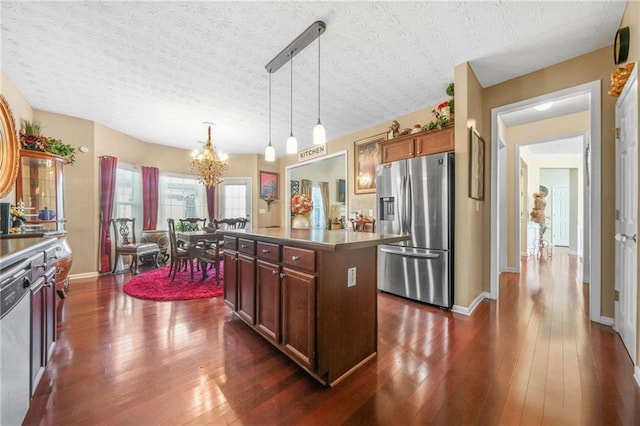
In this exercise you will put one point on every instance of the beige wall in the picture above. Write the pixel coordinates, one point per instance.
(557, 127)
(470, 261)
(20, 109)
(596, 65)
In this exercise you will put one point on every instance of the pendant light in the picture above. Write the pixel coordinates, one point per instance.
(319, 134)
(270, 151)
(292, 143)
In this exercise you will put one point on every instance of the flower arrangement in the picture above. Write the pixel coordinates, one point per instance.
(443, 113)
(32, 139)
(301, 203)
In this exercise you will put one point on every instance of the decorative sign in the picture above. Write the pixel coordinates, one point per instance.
(313, 152)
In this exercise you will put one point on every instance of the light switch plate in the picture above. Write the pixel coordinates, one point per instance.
(351, 277)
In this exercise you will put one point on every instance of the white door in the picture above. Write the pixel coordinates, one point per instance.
(235, 198)
(560, 215)
(627, 213)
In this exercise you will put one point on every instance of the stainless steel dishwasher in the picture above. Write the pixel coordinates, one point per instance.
(15, 328)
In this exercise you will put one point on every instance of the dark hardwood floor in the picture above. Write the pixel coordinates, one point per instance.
(533, 357)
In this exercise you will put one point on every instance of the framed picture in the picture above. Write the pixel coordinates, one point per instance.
(341, 191)
(367, 157)
(476, 165)
(269, 185)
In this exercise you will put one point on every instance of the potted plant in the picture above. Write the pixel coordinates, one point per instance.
(32, 139)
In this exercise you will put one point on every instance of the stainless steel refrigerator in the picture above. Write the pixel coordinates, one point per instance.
(416, 196)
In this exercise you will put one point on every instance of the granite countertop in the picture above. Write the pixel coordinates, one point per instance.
(316, 238)
(15, 249)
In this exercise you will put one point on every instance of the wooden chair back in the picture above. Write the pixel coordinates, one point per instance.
(363, 225)
(232, 223)
(192, 224)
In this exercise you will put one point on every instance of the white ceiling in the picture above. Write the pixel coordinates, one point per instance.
(157, 70)
(564, 146)
(559, 106)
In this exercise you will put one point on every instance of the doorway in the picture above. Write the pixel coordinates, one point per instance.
(592, 233)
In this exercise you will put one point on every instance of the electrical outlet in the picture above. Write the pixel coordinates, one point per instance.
(262, 211)
(351, 277)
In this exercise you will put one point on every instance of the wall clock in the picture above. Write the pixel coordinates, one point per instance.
(621, 46)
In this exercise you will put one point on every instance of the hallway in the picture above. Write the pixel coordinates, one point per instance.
(531, 358)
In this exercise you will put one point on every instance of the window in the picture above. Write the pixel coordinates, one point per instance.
(128, 196)
(317, 214)
(235, 196)
(180, 196)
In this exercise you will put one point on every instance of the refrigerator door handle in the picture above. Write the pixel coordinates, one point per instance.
(402, 205)
(405, 254)
(408, 204)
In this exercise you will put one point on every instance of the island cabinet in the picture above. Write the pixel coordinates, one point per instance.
(418, 144)
(301, 299)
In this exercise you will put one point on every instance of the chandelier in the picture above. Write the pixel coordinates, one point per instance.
(209, 165)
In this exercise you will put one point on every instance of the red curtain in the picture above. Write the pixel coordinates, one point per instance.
(150, 177)
(108, 166)
(211, 202)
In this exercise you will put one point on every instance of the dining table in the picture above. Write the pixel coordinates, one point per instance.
(193, 237)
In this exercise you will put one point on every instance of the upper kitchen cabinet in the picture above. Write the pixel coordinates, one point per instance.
(40, 187)
(418, 144)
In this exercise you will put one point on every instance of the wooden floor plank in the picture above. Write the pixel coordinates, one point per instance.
(532, 357)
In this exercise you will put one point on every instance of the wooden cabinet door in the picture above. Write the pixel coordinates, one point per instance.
(268, 300)
(231, 279)
(435, 142)
(49, 303)
(37, 334)
(247, 288)
(299, 316)
(397, 150)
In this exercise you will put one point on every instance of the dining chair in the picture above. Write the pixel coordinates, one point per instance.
(210, 255)
(231, 223)
(363, 225)
(124, 230)
(192, 224)
(181, 253)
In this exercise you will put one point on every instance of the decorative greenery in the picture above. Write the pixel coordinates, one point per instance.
(443, 114)
(57, 147)
(32, 139)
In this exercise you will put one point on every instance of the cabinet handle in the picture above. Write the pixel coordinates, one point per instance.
(295, 258)
(265, 251)
(274, 272)
(244, 245)
(282, 275)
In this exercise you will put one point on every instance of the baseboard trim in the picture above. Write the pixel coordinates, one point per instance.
(606, 321)
(83, 276)
(636, 375)
(469, 310)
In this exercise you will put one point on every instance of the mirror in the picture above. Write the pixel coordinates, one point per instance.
(330, 170)
(9, 148)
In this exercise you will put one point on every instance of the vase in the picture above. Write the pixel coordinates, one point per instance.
(445, 111)
(300, 221)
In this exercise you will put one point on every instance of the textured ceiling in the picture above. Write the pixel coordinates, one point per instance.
(564, 146)
(157, 70)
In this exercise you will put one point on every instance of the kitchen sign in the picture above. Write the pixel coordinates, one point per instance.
(313, 152)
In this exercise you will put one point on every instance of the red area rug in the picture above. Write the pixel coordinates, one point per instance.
(156, 285)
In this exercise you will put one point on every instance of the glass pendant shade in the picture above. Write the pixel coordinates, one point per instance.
(270, 153)
(319, 134)
(292, 144)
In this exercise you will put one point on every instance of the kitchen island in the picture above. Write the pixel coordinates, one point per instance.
(311, 293)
